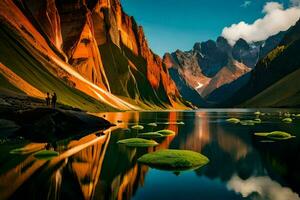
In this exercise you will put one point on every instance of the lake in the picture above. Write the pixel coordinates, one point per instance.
(94, 166)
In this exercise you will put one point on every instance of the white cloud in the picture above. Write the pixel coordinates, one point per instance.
(246, 4)
(272, 6)
(264, 186)
(276, 19)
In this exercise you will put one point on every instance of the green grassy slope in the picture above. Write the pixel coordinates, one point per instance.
(284, 93)
(26, 64)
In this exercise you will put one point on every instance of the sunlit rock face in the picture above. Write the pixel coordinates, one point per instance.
(45, 17)
(88, 24)
(102, 45)
(212, 64)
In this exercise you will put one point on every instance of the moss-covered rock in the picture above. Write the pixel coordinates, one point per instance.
(248, 122)
(46, 154)
(233, 120)
(138, 127)
(152, 124)
(257, 113)
(276, 135)
(173, 123)
(257, 121)
(287, 120)
(138, 142)
(166, 132)
(175, 160)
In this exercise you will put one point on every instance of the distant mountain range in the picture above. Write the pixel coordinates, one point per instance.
(213, 64)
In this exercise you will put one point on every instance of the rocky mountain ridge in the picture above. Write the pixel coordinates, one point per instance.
(212, 64)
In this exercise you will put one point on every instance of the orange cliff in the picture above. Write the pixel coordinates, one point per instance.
(71, 34)
(122, 30)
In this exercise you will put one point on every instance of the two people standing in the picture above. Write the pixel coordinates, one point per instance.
(51, 100)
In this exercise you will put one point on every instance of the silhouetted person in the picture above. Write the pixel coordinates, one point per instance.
(48, 99)
(53, 100)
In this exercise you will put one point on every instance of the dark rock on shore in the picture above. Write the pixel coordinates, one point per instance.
(50, 125)
(7, 127)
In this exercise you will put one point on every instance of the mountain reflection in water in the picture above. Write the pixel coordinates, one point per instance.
(95, 167)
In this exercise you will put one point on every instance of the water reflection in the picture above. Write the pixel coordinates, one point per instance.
(261, 188)
(95, 167)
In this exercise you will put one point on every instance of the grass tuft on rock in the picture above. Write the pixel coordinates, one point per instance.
(174, 160)
(46, 154)
(276, 135)
(138, 142)
(166, 132)
(233, 120)
(138, 127)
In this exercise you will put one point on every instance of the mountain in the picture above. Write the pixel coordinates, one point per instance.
(274, 81)
(209, 65)
(91, 53)
(186, 91)
(224, 92)
(212, 64)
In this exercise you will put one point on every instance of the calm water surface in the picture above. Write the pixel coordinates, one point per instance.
(95, 167)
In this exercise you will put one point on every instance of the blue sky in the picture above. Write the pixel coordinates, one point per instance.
(178, 24)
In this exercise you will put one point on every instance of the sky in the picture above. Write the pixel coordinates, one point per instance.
(177, 24)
